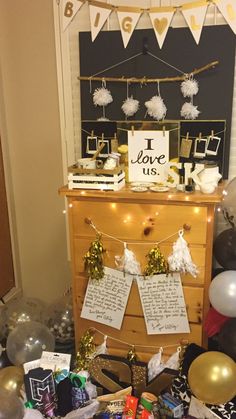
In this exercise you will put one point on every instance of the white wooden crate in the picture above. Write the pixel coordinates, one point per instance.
(96, 179)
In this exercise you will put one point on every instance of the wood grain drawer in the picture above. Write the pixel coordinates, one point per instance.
(114, 248)
(128, 220)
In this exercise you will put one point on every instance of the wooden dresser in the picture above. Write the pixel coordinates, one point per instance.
(145, 217)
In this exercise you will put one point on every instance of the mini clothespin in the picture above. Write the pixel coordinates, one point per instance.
(164, 131)
(132, 128)
(200, 135)
(187, 135)
(92, 133)
(212, 133)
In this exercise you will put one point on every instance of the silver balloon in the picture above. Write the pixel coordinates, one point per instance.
(59, 319)
(23, 310)
(222, 293)
(27, 342)
(10, 406)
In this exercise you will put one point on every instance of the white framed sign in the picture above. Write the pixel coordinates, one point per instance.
(148, 155)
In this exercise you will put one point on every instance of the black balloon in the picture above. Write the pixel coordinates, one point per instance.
(225, 249)
(227, 338)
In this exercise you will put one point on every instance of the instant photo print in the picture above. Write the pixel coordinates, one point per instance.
(92, 143)
(213, 146)
(200, 146)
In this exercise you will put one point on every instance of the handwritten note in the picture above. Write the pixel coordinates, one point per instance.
(105, 301)
(163, 304)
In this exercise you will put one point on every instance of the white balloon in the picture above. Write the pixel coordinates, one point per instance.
(222, 293)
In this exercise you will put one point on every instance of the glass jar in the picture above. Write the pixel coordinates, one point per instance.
(112, 161)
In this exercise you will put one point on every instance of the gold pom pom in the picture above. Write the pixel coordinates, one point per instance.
(85, 351)
(93, 260)
(156, 262)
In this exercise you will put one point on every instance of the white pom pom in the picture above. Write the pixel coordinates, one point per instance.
(130, 106)
(103, 119)
(156, 108)
(189, 87)
(180, 260)
(189, 111)
(102, 97)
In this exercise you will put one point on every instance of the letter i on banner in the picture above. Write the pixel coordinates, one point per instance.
(128, 22)
(98, 17)
(69, 8)
(228, 9)
(161, 20)
(195, 17)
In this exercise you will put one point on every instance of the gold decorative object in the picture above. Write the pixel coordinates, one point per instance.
(156, 262)
(85, 350)
(93, 259)
(11, 379)
(212, 377)
(131, 355)
(119, 368)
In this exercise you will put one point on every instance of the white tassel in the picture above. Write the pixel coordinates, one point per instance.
(102, 97)
(156, 108)
(130, 106)
(128, 262)
(180, 260)
(189, 111)
(174, 361)
(101, 349)
(155, 365)
(189, 87)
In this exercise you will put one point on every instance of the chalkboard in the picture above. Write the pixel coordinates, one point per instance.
(214, 99)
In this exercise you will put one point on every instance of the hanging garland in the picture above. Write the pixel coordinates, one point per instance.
(180, 259)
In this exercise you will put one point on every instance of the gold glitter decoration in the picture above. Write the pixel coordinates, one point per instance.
(85, 350)
(156, 262)
(131, 355)
(93, 260)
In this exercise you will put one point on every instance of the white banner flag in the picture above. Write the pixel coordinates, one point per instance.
(98, 17)
(128, 22)
(195, 17)
(69, 10)
(228, 9)
(161, 21)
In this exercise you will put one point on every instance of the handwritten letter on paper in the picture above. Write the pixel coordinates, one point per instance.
(163, 304)
(105, 300)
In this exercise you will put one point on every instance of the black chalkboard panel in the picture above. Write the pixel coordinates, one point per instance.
(214, 99)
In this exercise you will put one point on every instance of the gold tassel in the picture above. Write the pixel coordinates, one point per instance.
(85, 351)
(93, 260)
(156, 263)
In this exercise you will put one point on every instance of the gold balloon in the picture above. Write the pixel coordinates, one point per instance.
(11, 379)
(212, 377)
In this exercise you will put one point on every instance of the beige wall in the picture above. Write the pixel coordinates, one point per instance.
(31, 138)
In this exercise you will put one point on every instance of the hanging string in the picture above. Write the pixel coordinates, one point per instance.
(166, 63)
(93, 329)
(116, 65)
(122, 129)
(206, 135)
(90, 222)
(132, 58)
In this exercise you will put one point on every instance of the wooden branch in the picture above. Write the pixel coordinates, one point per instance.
(145, 80)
